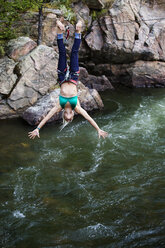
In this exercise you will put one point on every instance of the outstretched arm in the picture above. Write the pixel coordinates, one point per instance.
(35, 132)
(83, 112)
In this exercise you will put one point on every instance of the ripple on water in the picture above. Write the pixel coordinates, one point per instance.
(73, 189)
(92, 232)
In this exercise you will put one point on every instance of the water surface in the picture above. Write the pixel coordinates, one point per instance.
(70, 189)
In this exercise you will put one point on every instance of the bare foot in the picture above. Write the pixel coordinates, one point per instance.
(79, 26)
(60, 27)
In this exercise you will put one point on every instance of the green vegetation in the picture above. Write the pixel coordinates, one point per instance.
(96, 14)
(108, 3)
(68, 13)
(10, 12)
(2, 52)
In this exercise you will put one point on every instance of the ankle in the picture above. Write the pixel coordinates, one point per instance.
(59, 36)
(77, 35)
(59, 31)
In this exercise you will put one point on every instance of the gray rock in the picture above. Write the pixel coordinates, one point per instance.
(20, 47)
(8, 77)
(83, 12)
(37, 76)
(33, 115)
(89, 100)
(6, 111)
(148, 74)
(131, 31)
(139, 74)
(93, 82)
(95, 39)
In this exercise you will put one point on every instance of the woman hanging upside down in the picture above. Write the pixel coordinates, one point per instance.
(68, 99)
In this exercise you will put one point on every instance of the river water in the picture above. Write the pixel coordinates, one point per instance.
(69, 189)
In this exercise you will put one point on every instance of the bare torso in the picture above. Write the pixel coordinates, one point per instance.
(68, 89)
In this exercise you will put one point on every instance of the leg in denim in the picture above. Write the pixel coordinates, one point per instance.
(74, 63)
(62, 58)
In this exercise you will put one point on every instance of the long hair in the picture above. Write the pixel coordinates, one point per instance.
(64, 122)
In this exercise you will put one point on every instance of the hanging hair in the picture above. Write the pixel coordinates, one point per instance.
(64, 122)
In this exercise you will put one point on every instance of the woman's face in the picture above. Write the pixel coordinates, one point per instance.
(68, 114)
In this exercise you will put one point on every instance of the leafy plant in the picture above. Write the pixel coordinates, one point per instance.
(68, 13)
(2, 52)
(10, 12)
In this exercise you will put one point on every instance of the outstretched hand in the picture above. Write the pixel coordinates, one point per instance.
(34, 133)
(102, 133)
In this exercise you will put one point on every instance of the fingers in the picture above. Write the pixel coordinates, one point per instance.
(32, 135)
(103, 134)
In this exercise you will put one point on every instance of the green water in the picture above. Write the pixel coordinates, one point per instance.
(69, 189)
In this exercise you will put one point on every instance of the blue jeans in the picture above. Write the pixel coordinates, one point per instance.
(62, 63)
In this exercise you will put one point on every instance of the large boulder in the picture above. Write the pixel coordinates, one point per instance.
(34, 114)
(138, 74)
(148, 74)
(8, 77)
(131, 31)
(89, 100)
(6, 111)
(99, 83)
(20, 47)
(37, 75)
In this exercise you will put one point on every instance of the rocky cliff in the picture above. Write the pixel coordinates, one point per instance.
(123, 43)
(128, 44)
(29, 78)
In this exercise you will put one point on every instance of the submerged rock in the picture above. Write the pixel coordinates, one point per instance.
(89, 100)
